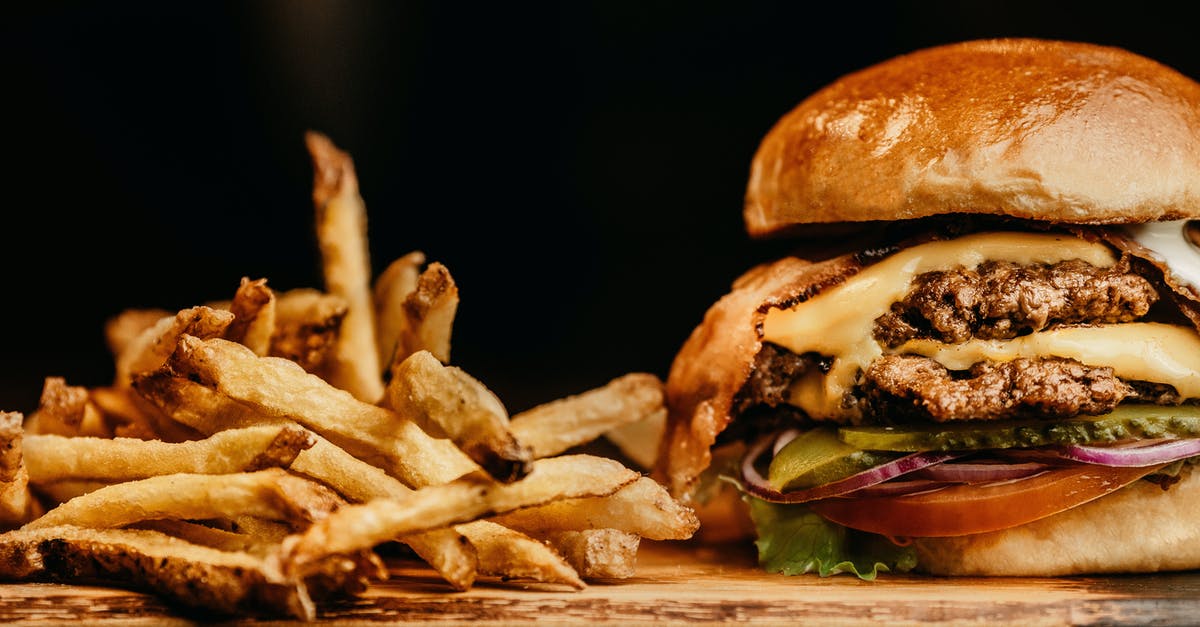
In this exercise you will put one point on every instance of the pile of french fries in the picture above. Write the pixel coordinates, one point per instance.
(255, 455)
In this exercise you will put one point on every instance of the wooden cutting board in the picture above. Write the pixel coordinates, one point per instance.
(682, 583)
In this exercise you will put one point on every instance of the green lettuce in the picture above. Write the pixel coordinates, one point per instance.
(793, 540)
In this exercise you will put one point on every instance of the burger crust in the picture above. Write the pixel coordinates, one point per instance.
(1138, 529)
(1043, 130)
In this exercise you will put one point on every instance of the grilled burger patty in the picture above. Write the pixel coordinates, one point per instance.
(997, 300)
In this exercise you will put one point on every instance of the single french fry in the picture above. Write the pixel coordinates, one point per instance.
(392, 288)
(597, 553)
(11, 436)
(279, 388)
(447, 402)
(151, 347)
(253, 308)
(643, 508)
(208, 411)
(122, 329)
(60, 409)
(342, 237)
(271, 493)
(429, 311)
(500, 548)
(554, 427)
(199, 576)
(307, 324)
(17, 504)
(363, 526)
(53, 458)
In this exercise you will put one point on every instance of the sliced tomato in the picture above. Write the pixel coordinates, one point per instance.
(966, 509)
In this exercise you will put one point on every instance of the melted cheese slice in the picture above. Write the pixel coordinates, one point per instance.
(838, 322)
(1138, 351)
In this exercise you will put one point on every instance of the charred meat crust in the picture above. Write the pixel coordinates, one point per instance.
(1001, 300)
(904, 387)
(998, 300)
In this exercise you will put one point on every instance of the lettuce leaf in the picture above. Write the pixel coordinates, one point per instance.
(793, 540)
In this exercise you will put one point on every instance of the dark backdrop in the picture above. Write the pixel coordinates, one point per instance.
(578, 167)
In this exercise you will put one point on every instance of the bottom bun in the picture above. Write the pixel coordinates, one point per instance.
(1138, 529)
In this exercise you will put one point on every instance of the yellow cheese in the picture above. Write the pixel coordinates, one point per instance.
(1139, 351)
(838, 322)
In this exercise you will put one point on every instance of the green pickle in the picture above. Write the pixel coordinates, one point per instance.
(817, 457)
(1123, 423)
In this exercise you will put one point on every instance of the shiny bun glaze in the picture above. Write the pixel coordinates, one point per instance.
(1036, 129)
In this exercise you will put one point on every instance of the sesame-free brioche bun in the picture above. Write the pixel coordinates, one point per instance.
(1044, 130)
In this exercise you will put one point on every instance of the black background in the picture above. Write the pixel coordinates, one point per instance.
(578, 167)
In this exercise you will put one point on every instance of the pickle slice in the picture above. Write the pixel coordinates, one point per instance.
(817, 457)
(1124, 423)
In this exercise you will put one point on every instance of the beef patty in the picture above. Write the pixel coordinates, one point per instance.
(1001, 300)
(997, 300)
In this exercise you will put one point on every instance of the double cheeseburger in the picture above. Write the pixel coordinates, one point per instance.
(985, 358)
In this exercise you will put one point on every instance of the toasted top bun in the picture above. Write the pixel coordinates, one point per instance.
(1035, 129)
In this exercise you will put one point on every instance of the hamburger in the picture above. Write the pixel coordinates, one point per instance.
(984, 357)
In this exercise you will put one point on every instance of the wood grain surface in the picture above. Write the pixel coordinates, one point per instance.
(681, 583)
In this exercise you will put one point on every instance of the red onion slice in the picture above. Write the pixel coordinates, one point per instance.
(759, 487)
(785, 438)
(900, 488)
(1134, 455)
(979, 472)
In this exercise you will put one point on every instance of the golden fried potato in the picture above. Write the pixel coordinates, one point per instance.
(342, 237)
(429, 312)
(273, 493)
(279, 388)
(56, 458)
(643, 507)
(363, 526)
(514, 555)
(253, 309)
(391, 290)
(554, 427)
(307, 324)
(597, 553)
(447, 402)
(149, 349)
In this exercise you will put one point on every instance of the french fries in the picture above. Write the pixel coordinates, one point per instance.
(447, 402)
(643, 508)
(219, 581)
(151, 347)
(429, 315)
(342, 236)
(272, 494)
(554, 427)
(597, 553)
(16, 502)
(307, 323)
(57, 458)
(277, 387)
(391, 290)
(500, 548)
(363, 526)
(10, 445)
(251, 455)
(253, 309)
